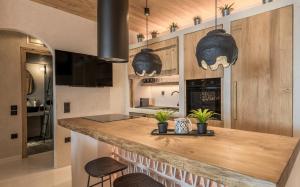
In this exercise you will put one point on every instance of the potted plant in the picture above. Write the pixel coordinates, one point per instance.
(154, 34)
(162, 117)
(140, 37)
(197, 20)
(202, 116)
(226, 9)
(173, 27)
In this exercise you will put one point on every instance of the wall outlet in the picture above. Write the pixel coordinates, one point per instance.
(14, 136)
(67, 139)
(67, 107)
(14, 110)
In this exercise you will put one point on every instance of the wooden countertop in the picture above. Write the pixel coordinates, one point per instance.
(232, 157)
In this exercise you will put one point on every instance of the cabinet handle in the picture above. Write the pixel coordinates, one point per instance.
(235, 100)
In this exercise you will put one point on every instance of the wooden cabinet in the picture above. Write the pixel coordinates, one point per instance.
(191, 68)
(167, 51)
(262, 78)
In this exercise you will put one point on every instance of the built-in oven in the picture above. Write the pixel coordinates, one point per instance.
(204, 93)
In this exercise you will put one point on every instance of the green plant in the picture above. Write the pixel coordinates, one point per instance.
(163, 116)
(202, 115)
(173, 25)
(227, 7)
(140, 35)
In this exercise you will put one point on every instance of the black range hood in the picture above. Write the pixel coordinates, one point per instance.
(113, 43)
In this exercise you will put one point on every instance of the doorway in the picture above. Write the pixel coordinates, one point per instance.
(37, 84)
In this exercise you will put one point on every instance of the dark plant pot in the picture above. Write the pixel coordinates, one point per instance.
(201, 128)
(162, 127)
(154, 35)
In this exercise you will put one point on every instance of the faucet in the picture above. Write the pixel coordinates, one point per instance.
(174, 92)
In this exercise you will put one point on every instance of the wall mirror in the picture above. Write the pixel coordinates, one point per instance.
(29, 83)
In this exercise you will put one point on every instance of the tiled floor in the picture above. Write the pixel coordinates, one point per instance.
(35, 171)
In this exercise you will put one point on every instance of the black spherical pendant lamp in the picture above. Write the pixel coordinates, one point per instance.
(217, 48)
(146, 62)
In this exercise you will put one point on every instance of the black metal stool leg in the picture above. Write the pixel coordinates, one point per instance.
(102, 181)
(88, 183)
(110, 180)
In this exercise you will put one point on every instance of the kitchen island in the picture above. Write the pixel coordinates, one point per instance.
(230, 158)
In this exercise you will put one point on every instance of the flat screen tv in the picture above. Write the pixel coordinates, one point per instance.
(80, 70)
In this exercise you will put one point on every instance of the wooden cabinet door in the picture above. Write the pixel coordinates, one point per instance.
(191, 67)
(262, 77)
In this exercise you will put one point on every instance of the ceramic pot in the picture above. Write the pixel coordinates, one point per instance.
(154, 34)
(183, 125)
(173, 29)
(197, 21)
(225, 12)
(201, 128)
(162, 127)
(266, 1)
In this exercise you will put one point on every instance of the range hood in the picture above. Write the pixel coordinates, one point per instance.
(113, 43)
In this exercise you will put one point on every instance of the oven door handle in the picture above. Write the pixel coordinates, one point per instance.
(234, 100)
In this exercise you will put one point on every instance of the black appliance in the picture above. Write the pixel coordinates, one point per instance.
(109, 117)
(204, 93)
(80, 70)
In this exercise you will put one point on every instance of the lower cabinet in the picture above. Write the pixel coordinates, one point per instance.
(262, 78)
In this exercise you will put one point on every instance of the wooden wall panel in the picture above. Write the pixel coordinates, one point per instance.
(191, 68)
(262, 79)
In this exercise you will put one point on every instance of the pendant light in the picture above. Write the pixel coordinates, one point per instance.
(217, 48)
(113, 42)
(146, 62)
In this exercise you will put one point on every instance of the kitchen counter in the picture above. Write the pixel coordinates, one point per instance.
(231, 157)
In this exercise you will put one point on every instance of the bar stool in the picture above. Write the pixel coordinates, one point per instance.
(136, 180)
(103, 167)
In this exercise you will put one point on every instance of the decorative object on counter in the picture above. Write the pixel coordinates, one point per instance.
(192, 133)
(140, 37)
(112, 31)
(217, 48)
(226, 9)
(197, 20)
(146, 62)
(266, 1)
(183, 126)
(173, 27)
(154, 34)
(162, 117)
(202, 116)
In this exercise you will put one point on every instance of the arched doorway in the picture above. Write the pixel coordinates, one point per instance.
(27, 90)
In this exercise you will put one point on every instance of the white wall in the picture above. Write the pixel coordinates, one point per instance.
(61, 30)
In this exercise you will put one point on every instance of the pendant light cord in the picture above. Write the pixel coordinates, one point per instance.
(216, 14)
(146, 24)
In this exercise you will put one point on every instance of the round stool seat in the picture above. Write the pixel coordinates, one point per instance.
(136, 180)
(103, 166)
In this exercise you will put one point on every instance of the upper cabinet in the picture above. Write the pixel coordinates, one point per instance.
(262, 78)
(167, 50)
(191, 68)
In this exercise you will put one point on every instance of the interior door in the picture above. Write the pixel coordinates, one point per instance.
(262, 78)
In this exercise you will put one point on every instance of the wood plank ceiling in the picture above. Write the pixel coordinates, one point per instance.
(163, 12)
